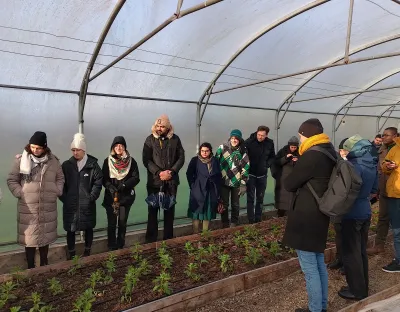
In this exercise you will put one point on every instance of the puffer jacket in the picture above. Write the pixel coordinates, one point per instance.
(383, 178)
(37, 202)
(81, 190)
(393, 182)
(261, 155)
(361, 156)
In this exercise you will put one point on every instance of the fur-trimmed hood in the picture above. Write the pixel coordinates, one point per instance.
(169, 134)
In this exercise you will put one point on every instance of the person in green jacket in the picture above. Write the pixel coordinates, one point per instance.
(235, 165)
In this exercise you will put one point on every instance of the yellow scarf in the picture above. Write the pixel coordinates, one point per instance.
(312, 141)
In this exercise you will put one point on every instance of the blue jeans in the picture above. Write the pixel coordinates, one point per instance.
(314, 269)
(394, 215)
(255, 188)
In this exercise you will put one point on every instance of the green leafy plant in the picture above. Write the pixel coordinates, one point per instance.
(201, 255)
(292, 251)
(136, 252)
(55, 286)
(251, 232)
(15, 309)
(275, 249)
(225, 262)
(206, 235)
(162, 250)
(211, 249)
(253, 255)
(191, 272)
(37, 302)
(166, 261)
(130, 280)
(238, 239)
(95, 278)
(144, 267)
(85, 301)
(5, 292)
(110, 268)
(17, 274)
(190, 249)
(275, 229)
(76, 265)
(161, 284)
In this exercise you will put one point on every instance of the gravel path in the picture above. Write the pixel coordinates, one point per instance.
(289, 293)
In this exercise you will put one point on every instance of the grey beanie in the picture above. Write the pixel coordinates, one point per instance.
(294, 141)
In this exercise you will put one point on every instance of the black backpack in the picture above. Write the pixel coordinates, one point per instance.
(343, 188)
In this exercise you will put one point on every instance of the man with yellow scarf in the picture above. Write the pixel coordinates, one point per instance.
(307, 227)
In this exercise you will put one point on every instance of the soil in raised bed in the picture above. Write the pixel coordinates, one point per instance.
(267, 237)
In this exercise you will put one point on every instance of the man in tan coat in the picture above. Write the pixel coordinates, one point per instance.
(36, 180)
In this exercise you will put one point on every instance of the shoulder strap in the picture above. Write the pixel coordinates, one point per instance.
(323, 151)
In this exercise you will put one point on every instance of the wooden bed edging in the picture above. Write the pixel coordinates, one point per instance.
(384, 294)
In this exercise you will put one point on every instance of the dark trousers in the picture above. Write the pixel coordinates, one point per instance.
(337, 225)
(88, 240)
(382, 228)
(255, 189)
(232, 193)
(117, 240)
(169, 216)
(30, 256)
(355, 259)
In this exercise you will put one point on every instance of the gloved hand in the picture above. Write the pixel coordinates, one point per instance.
(112, 189)
(242, 189)
(121, 187)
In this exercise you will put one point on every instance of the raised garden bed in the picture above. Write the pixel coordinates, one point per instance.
(134, 278)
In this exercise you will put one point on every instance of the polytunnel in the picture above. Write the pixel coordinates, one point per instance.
(111, 67)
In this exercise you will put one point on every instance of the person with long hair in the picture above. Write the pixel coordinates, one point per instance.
(120, 177)
(36, 180)
(204, 179)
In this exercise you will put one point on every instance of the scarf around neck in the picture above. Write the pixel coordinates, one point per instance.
(312, 141)
(206, 161)
(81, 163)
(119, 167)
(30, 161)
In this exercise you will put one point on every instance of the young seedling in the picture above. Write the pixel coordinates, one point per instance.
(211, 249)
(191, 272)
(76, 265)
(130, 281)
(5, 292)
(15, 309)
(85, 301)
(37, 302)
(161, 284)
(137, 252)
(251, 232)
(95, 278)
(253, 255)
(144, 267)
(292, 251)
(275, 228)
(226, 263)
(201, 255)
(166, 261)
(162, 250)
(275, 249)
(189, 249)
(55, 286)
(110, 267)
(17, 274)
(206, 235)
(238, 239)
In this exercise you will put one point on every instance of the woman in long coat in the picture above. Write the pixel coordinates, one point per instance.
(37, 180)
(285, 160)
(204, 179)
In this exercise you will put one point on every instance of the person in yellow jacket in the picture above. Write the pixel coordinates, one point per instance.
(390, 166)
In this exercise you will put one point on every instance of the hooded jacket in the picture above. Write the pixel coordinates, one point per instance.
(366, 166)
(383, 178)
(393, 183)
(261, 155)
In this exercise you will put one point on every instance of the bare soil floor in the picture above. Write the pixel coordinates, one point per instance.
(290, 293)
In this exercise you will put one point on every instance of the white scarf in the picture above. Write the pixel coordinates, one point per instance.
(81, 163)
(114, 173)
(29, 161)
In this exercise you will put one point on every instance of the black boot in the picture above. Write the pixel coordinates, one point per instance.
(30, 256)
(71, 254)
(335, 265)
(86, 253)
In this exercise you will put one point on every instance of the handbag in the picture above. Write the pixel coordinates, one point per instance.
(220, 208)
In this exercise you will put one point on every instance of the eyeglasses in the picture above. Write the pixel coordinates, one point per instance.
(204, 151)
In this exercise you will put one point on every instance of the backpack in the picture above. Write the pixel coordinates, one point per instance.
(343, 188)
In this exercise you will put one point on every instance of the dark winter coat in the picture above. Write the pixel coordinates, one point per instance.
(366, 166)
(160, 155)
(81, 190)
(307, 226)
(283, 167)
(261, 155)
(127, 195)
(202, 183)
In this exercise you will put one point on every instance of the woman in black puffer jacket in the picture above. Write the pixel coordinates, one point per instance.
(121, 175)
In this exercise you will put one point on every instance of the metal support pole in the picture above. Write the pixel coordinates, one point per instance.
(359, 60)
(379, 128)
(348, 37)
(198, 126)
(155, 31)
(290, 101)
(85, 80)
(334, 127)
(206, 103)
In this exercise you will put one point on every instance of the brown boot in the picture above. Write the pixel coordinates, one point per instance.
(378, 248)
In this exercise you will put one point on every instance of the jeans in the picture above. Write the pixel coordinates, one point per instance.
(233, 193)
(382, 228)
(88, 240)
(394, 213)
(316, 275)
(118, 242)
(255, 187)
(355, 259)
(169, 216)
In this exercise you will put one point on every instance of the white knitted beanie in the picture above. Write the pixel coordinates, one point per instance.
(79, 142)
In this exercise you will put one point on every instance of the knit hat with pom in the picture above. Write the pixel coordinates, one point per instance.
(79, 142)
